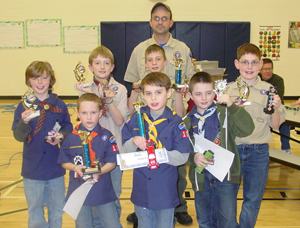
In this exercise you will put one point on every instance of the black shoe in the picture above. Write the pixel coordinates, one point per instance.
(132, 218)
(183, 218)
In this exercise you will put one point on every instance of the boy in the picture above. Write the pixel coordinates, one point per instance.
(254, 149)
(215, 201)
(102, 144)
(43, 178)
(155, 61)
(154, 192)
(115, 111)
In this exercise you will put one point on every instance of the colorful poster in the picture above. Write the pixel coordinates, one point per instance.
(269, 41)
(294, 34)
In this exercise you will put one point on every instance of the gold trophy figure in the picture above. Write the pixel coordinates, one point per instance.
(28, 102)
(78, 72)
(243, 95)
(107, 92)
(92, 164)
(178, 72)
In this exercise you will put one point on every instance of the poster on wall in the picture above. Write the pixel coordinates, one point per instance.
(12, 34)
(294, 34)
(269, 41)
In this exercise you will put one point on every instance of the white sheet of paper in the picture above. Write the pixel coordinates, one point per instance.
(134, 160)
(77, 198)
(223, 158)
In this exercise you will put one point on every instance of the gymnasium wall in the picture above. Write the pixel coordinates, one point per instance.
(13, 62)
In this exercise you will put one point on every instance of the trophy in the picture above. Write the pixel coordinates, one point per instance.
(269, 109)
(106, 91)
(243, 96)
(91, 163)
(78, 72)
(137, 106)
(178, 71)
(28, 102)
(220, 88)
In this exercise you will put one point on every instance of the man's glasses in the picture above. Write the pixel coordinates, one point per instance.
(267, 69)
(246, 63)
(156, 18)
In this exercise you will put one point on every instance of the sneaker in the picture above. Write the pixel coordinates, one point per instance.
(132, 218)
(183, 218)
(287, 151)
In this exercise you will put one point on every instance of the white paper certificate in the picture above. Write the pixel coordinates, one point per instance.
(223, 158)
(140, 159)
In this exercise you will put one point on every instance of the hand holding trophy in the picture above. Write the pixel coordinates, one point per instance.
(178, 85)
(106, 93)
(28, 102)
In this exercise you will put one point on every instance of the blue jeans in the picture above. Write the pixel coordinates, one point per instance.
(39, 193)
(107, 213)
(255, 167)
(154, 218)
(285, 143)
(116, 179)
(216, 204)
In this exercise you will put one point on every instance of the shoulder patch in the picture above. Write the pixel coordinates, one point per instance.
(181, 126)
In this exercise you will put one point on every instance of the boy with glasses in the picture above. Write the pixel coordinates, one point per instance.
(254, 149)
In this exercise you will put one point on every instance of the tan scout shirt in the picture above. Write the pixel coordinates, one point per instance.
(136, 67)
(262, 121)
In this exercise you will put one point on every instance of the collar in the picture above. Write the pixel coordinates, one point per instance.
(168, 112)
(171, 41)
(97, 128)
(194, 110)
(50, 100)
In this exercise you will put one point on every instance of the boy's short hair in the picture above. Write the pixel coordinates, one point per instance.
(103, 52)
(156, 79)
(155, 48)
(90, 97)
(267, 60)
(37, 69)
(248, 48)
(201, 77)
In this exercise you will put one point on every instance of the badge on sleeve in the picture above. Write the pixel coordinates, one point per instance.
(183, 130)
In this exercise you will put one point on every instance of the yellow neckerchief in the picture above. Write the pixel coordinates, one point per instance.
(152, 129)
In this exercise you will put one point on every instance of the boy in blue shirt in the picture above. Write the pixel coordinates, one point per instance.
(154, 192)
(43, 178)
(215, 200)
(102, 146)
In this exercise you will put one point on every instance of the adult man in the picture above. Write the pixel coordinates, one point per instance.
(266, 74)
(161, 21)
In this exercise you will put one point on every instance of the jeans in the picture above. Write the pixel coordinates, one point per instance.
(39, 193)
(116, 179)
(285, 143)
(255, 166)
(147, 218)
(216, 204)
(181, 186)
(107, 214)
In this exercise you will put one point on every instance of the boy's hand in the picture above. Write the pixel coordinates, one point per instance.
(109, 93)
(296, 103)
(136, 87)
(200, 160)
(184, 89)
(276, 101)
(55, 138)
(225, 99)
(79, 87)
(140, 142)
(25, 116)
(78, 169)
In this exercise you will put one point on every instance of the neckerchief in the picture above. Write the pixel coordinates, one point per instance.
(42, 116)
(207, 113)
(89, 141)
(152, 129)
(97, 82)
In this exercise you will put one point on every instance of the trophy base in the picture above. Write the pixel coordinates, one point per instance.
(267, 111)
(86, 85)
(89, 171)
(33, 114)
(179, 86)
